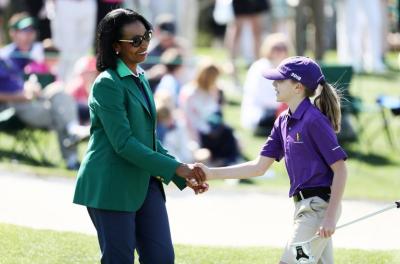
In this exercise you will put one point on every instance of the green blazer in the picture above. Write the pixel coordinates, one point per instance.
(123, 150)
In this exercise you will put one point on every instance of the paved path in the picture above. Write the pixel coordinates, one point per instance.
(220, 217)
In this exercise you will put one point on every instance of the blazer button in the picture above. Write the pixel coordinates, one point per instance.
(160, 178)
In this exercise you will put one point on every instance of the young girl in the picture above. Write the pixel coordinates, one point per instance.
(305, 136)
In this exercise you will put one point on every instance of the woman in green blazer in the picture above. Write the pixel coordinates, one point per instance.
(120, 179)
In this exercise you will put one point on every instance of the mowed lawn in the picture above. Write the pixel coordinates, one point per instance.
(19, 245)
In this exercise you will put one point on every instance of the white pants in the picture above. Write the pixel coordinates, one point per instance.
(359, 27)
(55, 111)
(73, 30)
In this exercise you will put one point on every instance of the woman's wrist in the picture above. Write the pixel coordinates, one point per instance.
(182, 170)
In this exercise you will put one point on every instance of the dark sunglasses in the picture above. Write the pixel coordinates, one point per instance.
(136, 41)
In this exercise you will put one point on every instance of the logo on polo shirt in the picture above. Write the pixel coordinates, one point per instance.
(294, 75)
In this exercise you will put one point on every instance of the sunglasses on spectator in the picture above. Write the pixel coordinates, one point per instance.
(136, 41)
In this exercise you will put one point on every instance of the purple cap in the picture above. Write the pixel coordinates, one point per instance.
(301, 69)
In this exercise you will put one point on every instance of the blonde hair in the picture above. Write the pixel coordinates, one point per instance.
(164, 112)
(328, 102)
(273, 41)
(207, 75)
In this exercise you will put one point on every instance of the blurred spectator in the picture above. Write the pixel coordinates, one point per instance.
(259, 106)
(201, 103)
(105, 6)
(245, 12)
(186, 14)
(50, 63)
(79, 86)
(169, 83)
(3, 5)
(23, 49)
(47, 109)
(51, 56)
(175, 135)
(310, 12)
(165, 38)
(282, 16)
(73, 30)
(37, 9)
(359, 27)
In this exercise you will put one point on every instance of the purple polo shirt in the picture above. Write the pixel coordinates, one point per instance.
(308, 142)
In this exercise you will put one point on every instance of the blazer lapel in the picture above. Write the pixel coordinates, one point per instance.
(149, 94)
(133, 89)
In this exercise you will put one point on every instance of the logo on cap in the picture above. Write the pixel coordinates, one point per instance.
(294, 75)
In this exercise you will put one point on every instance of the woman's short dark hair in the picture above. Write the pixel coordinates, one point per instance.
(109, 31)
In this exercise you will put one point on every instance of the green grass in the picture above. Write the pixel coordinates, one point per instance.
(19, 245)
(373, 164)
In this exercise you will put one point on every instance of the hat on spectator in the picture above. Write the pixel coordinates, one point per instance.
(166, 24)
(22, 22)
(300, 69)
(171, 56)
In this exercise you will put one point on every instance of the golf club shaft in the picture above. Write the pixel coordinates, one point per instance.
(368, 215)
(396, 204)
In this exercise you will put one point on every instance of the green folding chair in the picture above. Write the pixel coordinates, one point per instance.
(340, 77)
(25, 140)
(43, 78)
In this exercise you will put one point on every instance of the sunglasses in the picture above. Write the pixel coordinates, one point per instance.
(136, 41)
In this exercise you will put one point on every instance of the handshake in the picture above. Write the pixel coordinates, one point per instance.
(195, 175)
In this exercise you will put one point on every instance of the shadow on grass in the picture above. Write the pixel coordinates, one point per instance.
(391, 74)
(21, 158)
(370, 158)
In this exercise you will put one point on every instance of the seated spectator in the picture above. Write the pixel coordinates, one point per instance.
(165, 38)
(169, 83)
(259, 106)
(49, 65)
(51, 56)
(201, 102)
(23, 49)
(47, 109)
(173, 134)
(85, 73)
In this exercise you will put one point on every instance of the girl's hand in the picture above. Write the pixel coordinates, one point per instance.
(198, 188)
(327, 227)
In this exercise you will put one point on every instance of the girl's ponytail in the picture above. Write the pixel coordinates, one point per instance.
(328, 102)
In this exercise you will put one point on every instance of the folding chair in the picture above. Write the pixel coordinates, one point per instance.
(393, 105)
(24, 136)
(43, 78)
(340, 77)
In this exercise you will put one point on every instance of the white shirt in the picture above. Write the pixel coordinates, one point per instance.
(178, 143)
(258, 94)
(198, 105)
(168, 85)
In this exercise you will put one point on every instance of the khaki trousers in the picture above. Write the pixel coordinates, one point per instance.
(308, 216)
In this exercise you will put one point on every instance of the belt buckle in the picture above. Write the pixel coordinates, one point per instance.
(160, 178)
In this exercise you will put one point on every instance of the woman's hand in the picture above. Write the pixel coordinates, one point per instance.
(192, 174)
